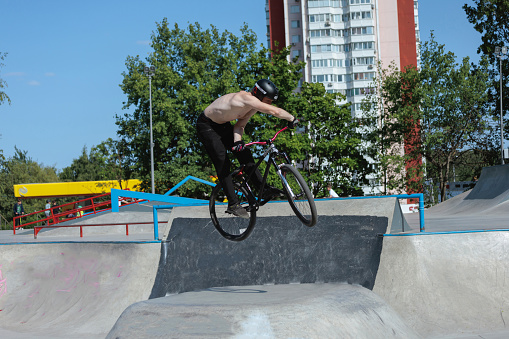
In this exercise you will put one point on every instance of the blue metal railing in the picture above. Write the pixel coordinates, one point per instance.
(181, 201)
(419, 196)
(166, 198)
(189, 177)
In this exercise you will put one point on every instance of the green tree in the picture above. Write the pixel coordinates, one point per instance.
(449, 102)
(392, 119)
(106, 161)
(113, 160)
(21, 169)
(491, 19)
(328, 145)
(454, 108)
(193, 68)
(3, 84)
(332, 141)
(81, 169)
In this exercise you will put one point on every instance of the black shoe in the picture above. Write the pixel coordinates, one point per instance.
(270, 193)
(238, 211)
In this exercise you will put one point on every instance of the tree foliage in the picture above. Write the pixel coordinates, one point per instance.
(83, 168)
(333, 142)
(3, 84)
(194, 67)
(454, 106)
(449, 102)
(392, 112)
(491, 19)
(105, 161)
(21, 169)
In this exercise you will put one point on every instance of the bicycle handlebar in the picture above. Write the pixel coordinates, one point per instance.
(265, 142)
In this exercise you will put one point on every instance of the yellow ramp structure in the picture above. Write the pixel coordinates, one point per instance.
(77, 188)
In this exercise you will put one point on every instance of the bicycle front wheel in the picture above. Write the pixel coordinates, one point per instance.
(229, 226)
(299, 196)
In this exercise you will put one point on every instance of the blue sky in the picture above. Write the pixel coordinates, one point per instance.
(66, 58)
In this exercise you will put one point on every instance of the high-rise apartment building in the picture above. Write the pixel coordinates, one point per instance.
(342, 41)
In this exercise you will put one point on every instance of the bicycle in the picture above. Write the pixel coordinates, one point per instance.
(294, 187)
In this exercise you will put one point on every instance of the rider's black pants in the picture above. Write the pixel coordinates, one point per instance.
(217, 139)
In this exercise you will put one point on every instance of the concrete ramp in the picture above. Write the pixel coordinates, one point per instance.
(71, 290)
(490, 191)
(493, 185)
(281, 250)
(484, 207)
(280, 311)
(292, 278)
(448, 284)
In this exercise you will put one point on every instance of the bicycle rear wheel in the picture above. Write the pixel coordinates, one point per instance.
(229, 226)
(299, 196)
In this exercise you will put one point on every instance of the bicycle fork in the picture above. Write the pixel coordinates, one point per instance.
(286, 185)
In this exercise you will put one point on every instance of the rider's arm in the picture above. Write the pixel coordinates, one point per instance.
(238, 128)
(268, 109)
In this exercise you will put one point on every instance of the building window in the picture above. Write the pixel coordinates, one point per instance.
(318, 63)
(327, 3)
(321, 17)
(339, 48)
(360, 15)
(362, 45)
(295, 53)
(364, 61)
(295, 9)
(364, 76)
(316, 33)
(357, 2)
(361, 30)
(295, 24)
(326, 63)
(327, 78)
(295, 39)
(359, 91)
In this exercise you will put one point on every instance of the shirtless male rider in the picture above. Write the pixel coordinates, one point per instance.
(218, 135)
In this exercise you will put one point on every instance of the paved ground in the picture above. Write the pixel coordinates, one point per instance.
(449, 285)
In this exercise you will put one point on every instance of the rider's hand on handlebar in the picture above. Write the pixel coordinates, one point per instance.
(239, 146)
(293, 123)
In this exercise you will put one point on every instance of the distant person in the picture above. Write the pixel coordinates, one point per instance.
(18, 210)
(474, 181)
(56, 212)
(47, 211)
(332, 193)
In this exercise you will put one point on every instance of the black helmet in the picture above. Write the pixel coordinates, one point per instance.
(265, 88)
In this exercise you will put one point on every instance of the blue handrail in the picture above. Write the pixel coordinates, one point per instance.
(189, 177)
(166, 198)
(419, 196)
(181, 201)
